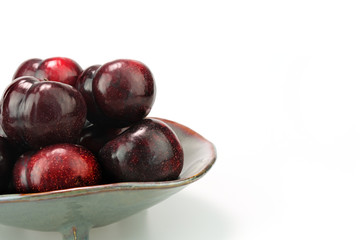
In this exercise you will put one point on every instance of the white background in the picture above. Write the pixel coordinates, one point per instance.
(275, 85)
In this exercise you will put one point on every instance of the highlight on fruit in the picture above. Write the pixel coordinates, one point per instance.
(62, 126)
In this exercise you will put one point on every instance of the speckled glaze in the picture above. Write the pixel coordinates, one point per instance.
(74, 211)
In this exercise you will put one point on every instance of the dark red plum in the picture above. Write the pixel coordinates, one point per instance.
(55, 167)
(27, 68)
(148, 151)
(20, 182)
(37, 113)
(6, 164)
(95, 137)
(59, 69)
(120, 92)
(84, 86)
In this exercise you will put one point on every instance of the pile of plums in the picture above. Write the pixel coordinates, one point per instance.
(64, 127)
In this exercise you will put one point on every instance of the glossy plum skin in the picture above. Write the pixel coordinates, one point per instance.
(27, 68)
(6, 163)
(84, 86)
(19, 173)
(147, 151)
(95, 137)
(122, 92)
(37, 113)
(59, 69)
(55, 167)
